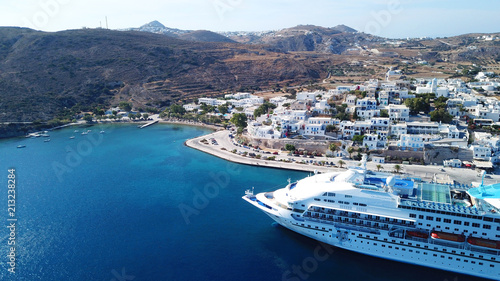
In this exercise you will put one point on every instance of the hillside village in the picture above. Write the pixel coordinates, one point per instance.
(433, 121)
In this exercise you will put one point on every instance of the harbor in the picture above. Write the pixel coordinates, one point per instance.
(225, 147)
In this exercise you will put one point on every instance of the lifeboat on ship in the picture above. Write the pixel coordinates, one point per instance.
(487, 243)
(448, 236)
(418, 234)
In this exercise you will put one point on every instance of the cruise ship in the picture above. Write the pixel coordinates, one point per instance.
(444, 226)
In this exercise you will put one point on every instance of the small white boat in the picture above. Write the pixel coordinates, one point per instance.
(75, 131)
(102, 132)
(72, 137)
(85, 133)
(21, 146)
(47, 140)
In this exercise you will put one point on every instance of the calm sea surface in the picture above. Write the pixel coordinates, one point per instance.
(135, 204)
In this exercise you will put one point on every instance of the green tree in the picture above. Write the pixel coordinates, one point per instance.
(341, 163)
(290, 147)
(379, 167)
(330, 128)
(177, 110)
(441, 115)
(207, 108)
(145, 116)
(440, 102)
(115, 112)
(88, 118)
(397, 168)
(333, 147)
(125, 106)
(358, 138)
(131, 116)
(415, 105)
(263, 109)
(384, 113)
(223, 108)
(355, 115)
(350, 150)
(99, 112)
(239, 120)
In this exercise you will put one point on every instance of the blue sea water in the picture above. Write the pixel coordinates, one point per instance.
(135, 204)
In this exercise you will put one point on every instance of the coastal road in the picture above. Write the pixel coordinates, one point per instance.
(461, 175)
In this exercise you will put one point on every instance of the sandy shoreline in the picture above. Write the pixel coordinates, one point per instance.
(160, 121)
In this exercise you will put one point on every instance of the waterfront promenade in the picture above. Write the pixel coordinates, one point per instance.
(225, 145)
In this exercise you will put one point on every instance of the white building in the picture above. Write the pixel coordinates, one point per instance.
(411, 142)
(350, 100)
(422, 127)
(398, 129)
(371, 141)
(238, 96)
(208, 101)
(398, 113)
(455, 163)
(378, 159)
(307, 96)
(277, 100)
(257, 130)
(191, 107)
(481, 152)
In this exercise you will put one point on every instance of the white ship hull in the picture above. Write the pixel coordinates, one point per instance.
(384, 246)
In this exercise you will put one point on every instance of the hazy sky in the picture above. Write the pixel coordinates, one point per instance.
(389, 18)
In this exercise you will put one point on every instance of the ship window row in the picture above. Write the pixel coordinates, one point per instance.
(359, 204)
(457, 222)
(331, 194)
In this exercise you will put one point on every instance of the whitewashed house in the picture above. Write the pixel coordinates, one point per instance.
(481, 152)
(455, 163)
(398, 113)
(191, 107)
(257, 130)
(411, 142)
(398, 129)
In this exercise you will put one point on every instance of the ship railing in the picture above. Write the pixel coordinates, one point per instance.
(486, 251)
(457, 245)
(423, 240)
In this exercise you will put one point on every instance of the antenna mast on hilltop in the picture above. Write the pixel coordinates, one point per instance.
(107, 22)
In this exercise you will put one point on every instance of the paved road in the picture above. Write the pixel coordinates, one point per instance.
(462, 175)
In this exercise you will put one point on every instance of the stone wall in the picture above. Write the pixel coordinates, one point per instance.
(394, 152)
(436, 154)
(316, 145)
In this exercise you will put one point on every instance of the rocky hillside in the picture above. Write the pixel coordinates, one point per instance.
(310, 38)
(43, 75)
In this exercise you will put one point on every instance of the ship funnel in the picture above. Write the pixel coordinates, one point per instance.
(390, 181)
